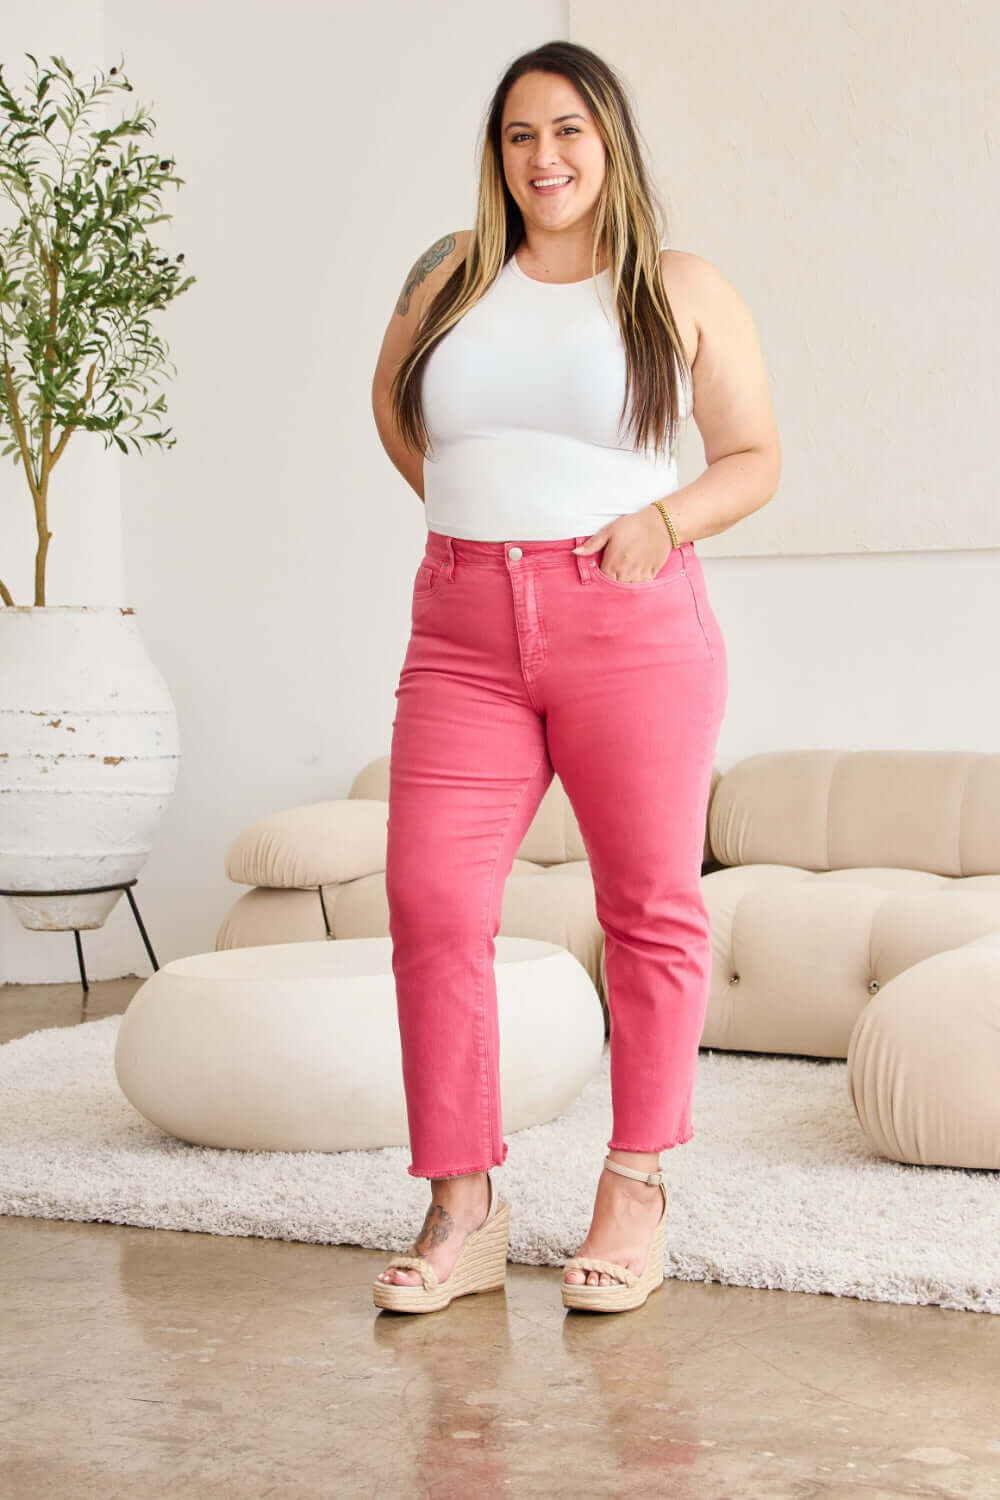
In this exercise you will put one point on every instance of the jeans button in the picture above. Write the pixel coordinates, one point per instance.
(515, 554)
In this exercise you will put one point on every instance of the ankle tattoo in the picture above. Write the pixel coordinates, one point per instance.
(438, 1225)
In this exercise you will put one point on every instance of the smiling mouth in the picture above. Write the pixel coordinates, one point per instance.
(550, 187)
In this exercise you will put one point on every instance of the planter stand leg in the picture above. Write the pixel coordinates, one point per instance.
(135, 912)
(142, 930)
(79, 959)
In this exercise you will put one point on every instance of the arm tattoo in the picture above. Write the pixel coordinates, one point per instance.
(422, 267)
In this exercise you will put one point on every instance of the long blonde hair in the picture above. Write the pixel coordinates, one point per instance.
(627, 221)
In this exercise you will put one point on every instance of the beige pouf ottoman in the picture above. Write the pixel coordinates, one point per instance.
(295, 1046)
(923, 1064)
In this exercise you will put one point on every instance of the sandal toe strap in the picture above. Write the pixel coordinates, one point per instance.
(428, 1275)
(592, 1263)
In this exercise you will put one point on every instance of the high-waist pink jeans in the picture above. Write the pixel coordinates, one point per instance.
(526, 660)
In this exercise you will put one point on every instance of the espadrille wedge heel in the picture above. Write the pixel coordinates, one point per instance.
(631, 1290)
(481, 1267)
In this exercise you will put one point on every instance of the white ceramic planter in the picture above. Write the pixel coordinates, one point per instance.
(88, 758)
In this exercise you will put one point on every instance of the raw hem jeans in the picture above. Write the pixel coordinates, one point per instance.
(525, 661)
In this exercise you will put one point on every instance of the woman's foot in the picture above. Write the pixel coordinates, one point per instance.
(626, 1212)
(458, 1206)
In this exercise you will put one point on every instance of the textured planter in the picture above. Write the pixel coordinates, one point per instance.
(88, 758)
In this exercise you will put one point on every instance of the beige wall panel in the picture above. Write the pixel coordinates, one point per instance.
(838, 163)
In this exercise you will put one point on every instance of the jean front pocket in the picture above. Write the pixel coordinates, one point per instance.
(671, 571)
(426, 579)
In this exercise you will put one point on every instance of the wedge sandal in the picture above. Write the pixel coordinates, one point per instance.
(631, 1290)
(481, 1266)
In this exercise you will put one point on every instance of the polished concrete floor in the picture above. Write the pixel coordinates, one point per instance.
(151, 1363)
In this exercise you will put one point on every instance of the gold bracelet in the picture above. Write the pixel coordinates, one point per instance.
(670, 525)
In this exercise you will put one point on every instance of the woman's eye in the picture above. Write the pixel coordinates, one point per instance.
(521, 134)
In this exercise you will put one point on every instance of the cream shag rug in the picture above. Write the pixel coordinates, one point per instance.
(777, 1188)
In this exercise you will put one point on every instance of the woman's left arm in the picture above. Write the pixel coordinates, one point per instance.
(732, 408)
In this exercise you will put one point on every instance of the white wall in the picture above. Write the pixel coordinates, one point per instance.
(269, 555)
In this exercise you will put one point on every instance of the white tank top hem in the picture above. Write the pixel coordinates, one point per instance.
(522, 400)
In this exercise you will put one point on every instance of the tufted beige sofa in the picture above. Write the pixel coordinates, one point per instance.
(854, 898)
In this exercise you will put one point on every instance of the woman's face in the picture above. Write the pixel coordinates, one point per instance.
(548, 131)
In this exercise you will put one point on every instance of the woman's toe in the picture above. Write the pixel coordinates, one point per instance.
(577, 1277)
(397, 1276)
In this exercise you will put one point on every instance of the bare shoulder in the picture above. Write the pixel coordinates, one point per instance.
(697, 284)
(678, 264)
(705, 291)
(432, 268)
(732, 400)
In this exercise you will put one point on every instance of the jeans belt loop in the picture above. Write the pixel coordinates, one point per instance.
(584, 565)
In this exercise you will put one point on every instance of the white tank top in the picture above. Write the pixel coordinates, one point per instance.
(521, 402)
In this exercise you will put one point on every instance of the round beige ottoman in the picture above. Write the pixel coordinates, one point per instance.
(923, 1062)
(295, 1046)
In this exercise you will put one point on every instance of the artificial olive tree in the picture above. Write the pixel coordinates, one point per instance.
(79, 279)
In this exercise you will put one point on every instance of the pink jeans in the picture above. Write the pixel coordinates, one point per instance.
(525, 660)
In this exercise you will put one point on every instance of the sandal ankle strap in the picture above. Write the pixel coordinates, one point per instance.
(653, 1178)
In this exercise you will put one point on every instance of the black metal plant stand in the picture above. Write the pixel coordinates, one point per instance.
(90, 890)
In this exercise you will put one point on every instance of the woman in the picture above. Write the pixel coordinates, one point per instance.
(560, 625)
